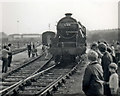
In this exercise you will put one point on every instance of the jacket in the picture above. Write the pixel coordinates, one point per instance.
(106, 61)
(91, 80)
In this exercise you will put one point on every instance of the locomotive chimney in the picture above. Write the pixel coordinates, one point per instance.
(68, 14)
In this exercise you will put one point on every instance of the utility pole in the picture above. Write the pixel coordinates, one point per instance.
(49, 26)
(18, 31)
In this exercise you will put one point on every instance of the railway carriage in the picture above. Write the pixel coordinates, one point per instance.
(70, 40)
(47, 37)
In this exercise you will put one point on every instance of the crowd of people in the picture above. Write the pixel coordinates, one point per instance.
(100, 77)
(6, 57)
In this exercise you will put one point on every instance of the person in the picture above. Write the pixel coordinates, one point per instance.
(105, 62)
(94, 47)
(46, 52)
(9, 55)
(113, 50)
(113, 81)
(4, 59)
(91, 84)
(117, 51)
(34, 51)
(29, 50)
(43, 48)
(111, 53)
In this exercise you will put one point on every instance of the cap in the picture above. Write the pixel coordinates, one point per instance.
(94, 44)
(109, 49)
(102, 47)
(92, 55)
(113, 65)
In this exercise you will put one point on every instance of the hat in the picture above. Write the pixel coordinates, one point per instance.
(109, 49)
(9, 44)
(113, 65)
(92, 55)
(94, 44)
(102, 47)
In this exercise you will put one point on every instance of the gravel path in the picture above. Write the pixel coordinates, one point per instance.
(73, 86)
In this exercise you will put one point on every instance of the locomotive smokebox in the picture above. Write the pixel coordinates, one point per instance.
(68, 14)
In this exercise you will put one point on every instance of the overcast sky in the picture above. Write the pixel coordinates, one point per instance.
(34, 17)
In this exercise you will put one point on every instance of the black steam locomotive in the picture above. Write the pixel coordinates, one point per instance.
(70, 40)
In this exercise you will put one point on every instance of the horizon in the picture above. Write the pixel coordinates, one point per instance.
(29, 17)
(55, 32)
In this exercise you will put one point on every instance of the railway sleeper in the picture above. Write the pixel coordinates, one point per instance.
(8, 83)
(11, 80)
(17, 76)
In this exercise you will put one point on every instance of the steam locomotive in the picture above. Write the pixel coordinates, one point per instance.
(70, 40)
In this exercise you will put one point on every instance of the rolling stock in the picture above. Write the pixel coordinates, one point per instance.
(70, 40)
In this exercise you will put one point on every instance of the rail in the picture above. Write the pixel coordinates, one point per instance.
(52, 85)
(12, 71)
(22, 82)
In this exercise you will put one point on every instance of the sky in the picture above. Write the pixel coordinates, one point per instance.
(38, 16)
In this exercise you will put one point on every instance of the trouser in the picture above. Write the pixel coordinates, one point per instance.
(9, 60)
(4, 64)
(29, 53)
(33, 54)
(118, 57)
(107, 90)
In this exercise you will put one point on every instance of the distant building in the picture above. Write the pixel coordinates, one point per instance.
(119, 34)
(14, 37)
(3, 38)
(119, 21)
(22, 39)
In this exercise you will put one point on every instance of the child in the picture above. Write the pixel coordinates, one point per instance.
(113, 80)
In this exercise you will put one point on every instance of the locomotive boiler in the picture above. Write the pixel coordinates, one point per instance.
(70, 40)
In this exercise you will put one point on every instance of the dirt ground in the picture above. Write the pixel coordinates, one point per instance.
(73, 86)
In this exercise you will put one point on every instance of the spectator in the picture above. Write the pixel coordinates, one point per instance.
(105, 62)
(111, 53)
(94, 47)
(117, 51)
(43, 48)
(34, 51)
(4, 59)
(113, 50)
(92, 85)
(113, 81)
(46, 52)
(29, 50)
(9, 55)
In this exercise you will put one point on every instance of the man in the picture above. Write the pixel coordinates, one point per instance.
(9, 55)
(105, 62)
(4, 59)
(29, 50)
(93, 77)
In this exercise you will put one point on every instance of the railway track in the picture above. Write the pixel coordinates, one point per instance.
(16, 51)
(43, 82)
(12, 78)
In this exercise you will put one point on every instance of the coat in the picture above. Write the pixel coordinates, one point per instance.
(92, 85)
(105, 62)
